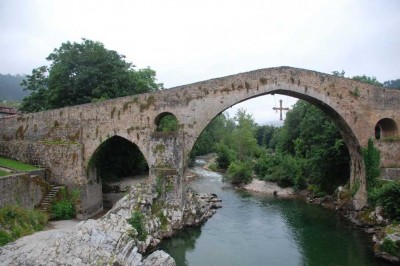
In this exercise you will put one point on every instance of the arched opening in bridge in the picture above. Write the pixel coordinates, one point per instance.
(309, 150)
(166, 123)
(117, 164)
(386, 128)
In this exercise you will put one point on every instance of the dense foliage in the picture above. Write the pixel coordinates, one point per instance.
(63, 210)
(372, 164)
(82, 73)
(387, 195)
(312, 139)
(308, 149)
(16, 222)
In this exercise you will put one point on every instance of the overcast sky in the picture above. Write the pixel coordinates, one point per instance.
(188, 41)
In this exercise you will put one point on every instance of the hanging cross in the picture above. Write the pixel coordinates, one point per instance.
(280, 108)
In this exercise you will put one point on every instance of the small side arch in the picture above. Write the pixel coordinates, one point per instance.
(386, 128)
(166, 122)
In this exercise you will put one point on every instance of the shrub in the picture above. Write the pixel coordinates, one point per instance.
(137, 222)
(316, 190)
(372, 164)
(63, 210)
(390, 246)
(5, 238)
(388, 196)
(264, 165)
(64, 207)
(286, 170)
(240, 172)
(225, 155)
(16, 222)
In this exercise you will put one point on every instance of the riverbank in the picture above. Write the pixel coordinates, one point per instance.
(385, 235)
(269, 188)
(253, 229)
(117, 238)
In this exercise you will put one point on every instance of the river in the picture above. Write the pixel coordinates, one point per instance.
(251, 229)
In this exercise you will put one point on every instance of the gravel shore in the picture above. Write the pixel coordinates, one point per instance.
(270, 188)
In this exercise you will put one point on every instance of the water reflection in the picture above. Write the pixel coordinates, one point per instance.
(258, 230)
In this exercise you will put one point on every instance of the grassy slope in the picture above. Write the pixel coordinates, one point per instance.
(3, 173)
(8, 163)
(16, 222)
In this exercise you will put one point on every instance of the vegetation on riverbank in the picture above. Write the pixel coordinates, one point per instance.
(307, 151)
(16, 222)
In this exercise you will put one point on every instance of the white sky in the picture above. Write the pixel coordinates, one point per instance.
(187, 41)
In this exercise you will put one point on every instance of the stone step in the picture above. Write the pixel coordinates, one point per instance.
(49, 198)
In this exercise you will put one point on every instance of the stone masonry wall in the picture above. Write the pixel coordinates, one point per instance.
(391, 173)
(390, 153)
(23, 189)
(63, 161)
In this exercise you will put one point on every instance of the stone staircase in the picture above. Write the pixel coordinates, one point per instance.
(49, 198)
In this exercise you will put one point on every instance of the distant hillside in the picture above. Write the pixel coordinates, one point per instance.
(10, 89)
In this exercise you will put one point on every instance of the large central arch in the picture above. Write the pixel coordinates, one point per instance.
(357, 168)
(318, 95)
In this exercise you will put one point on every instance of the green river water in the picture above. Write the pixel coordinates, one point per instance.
(258, 230)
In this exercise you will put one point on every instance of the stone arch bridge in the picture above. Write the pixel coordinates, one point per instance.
(63, 140)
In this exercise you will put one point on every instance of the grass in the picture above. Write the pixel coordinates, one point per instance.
(16, 222)
(8, 163)
(4, 173)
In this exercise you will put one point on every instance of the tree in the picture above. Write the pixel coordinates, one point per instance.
(244, 136)
(210, 137)
(82, 73)
(338, 74)
(372, 159)
(37, 84)
(363, 78)
(264, 135)
(316, 146)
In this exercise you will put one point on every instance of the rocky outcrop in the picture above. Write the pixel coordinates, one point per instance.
(159, 258)
(112, 240)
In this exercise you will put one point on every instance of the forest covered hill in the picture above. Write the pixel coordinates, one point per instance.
(10, 88)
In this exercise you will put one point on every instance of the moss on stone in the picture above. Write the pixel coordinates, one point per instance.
(150, 101)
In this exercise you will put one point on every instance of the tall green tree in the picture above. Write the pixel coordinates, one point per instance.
(312, 139)
(244, 136)
(82, 73)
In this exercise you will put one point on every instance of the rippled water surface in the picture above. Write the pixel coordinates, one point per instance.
(258, 230)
